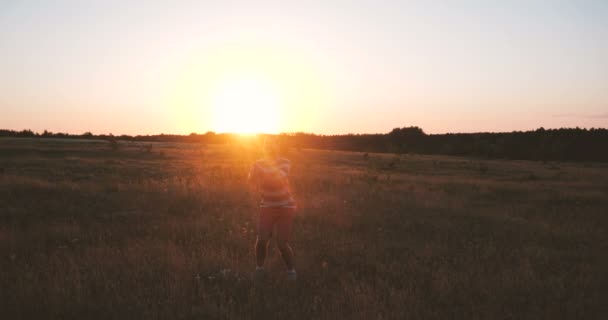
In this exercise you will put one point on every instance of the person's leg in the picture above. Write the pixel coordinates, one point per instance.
(284, 225)
(265, 224)
(261, 246)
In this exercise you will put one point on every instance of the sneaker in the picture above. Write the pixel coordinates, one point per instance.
(292, 275)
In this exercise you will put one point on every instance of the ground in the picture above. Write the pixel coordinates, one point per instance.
(90, 229)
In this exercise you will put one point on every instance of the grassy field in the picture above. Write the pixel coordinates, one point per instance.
(90, 230)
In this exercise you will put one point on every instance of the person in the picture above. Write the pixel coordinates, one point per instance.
(269, 176)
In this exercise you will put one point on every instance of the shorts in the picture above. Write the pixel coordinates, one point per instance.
(281, 217)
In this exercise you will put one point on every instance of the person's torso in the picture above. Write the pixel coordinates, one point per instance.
(274, 186)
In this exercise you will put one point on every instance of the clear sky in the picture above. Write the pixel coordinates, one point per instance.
(145, 67)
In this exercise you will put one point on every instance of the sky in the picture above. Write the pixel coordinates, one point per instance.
(327, 67)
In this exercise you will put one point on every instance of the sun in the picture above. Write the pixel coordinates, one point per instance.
(246, 103)
(248, 87)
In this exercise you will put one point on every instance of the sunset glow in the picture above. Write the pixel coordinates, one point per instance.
(247, 86)
(246, 104)
(318, 67)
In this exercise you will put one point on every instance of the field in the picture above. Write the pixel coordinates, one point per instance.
(93, 230)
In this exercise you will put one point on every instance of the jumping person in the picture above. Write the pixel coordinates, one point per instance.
(276, 208)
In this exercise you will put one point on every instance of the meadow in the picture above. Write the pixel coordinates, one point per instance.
(98, 230)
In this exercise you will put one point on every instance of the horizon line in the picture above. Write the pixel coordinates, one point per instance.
(295, 132)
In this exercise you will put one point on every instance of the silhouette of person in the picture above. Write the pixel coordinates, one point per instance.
(269, 176)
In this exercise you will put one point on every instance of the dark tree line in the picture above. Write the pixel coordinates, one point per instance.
(209, 137)
(551, 144)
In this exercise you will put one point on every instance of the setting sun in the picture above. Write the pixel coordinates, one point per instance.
(245, 86)
(246, 104)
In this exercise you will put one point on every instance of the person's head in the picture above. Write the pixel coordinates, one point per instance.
(271, 147)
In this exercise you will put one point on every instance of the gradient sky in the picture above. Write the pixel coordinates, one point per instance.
(136, 67)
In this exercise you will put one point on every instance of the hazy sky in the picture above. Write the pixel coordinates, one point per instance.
(339, 66)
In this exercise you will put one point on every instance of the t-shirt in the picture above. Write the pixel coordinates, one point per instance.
(271, 177)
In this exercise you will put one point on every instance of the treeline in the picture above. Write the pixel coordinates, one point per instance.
(541, 144)
(209, 137)
(552, 144)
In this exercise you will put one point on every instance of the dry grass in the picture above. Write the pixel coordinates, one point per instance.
(90, 231)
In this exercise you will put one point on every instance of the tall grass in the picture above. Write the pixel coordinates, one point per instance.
(87, 232)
